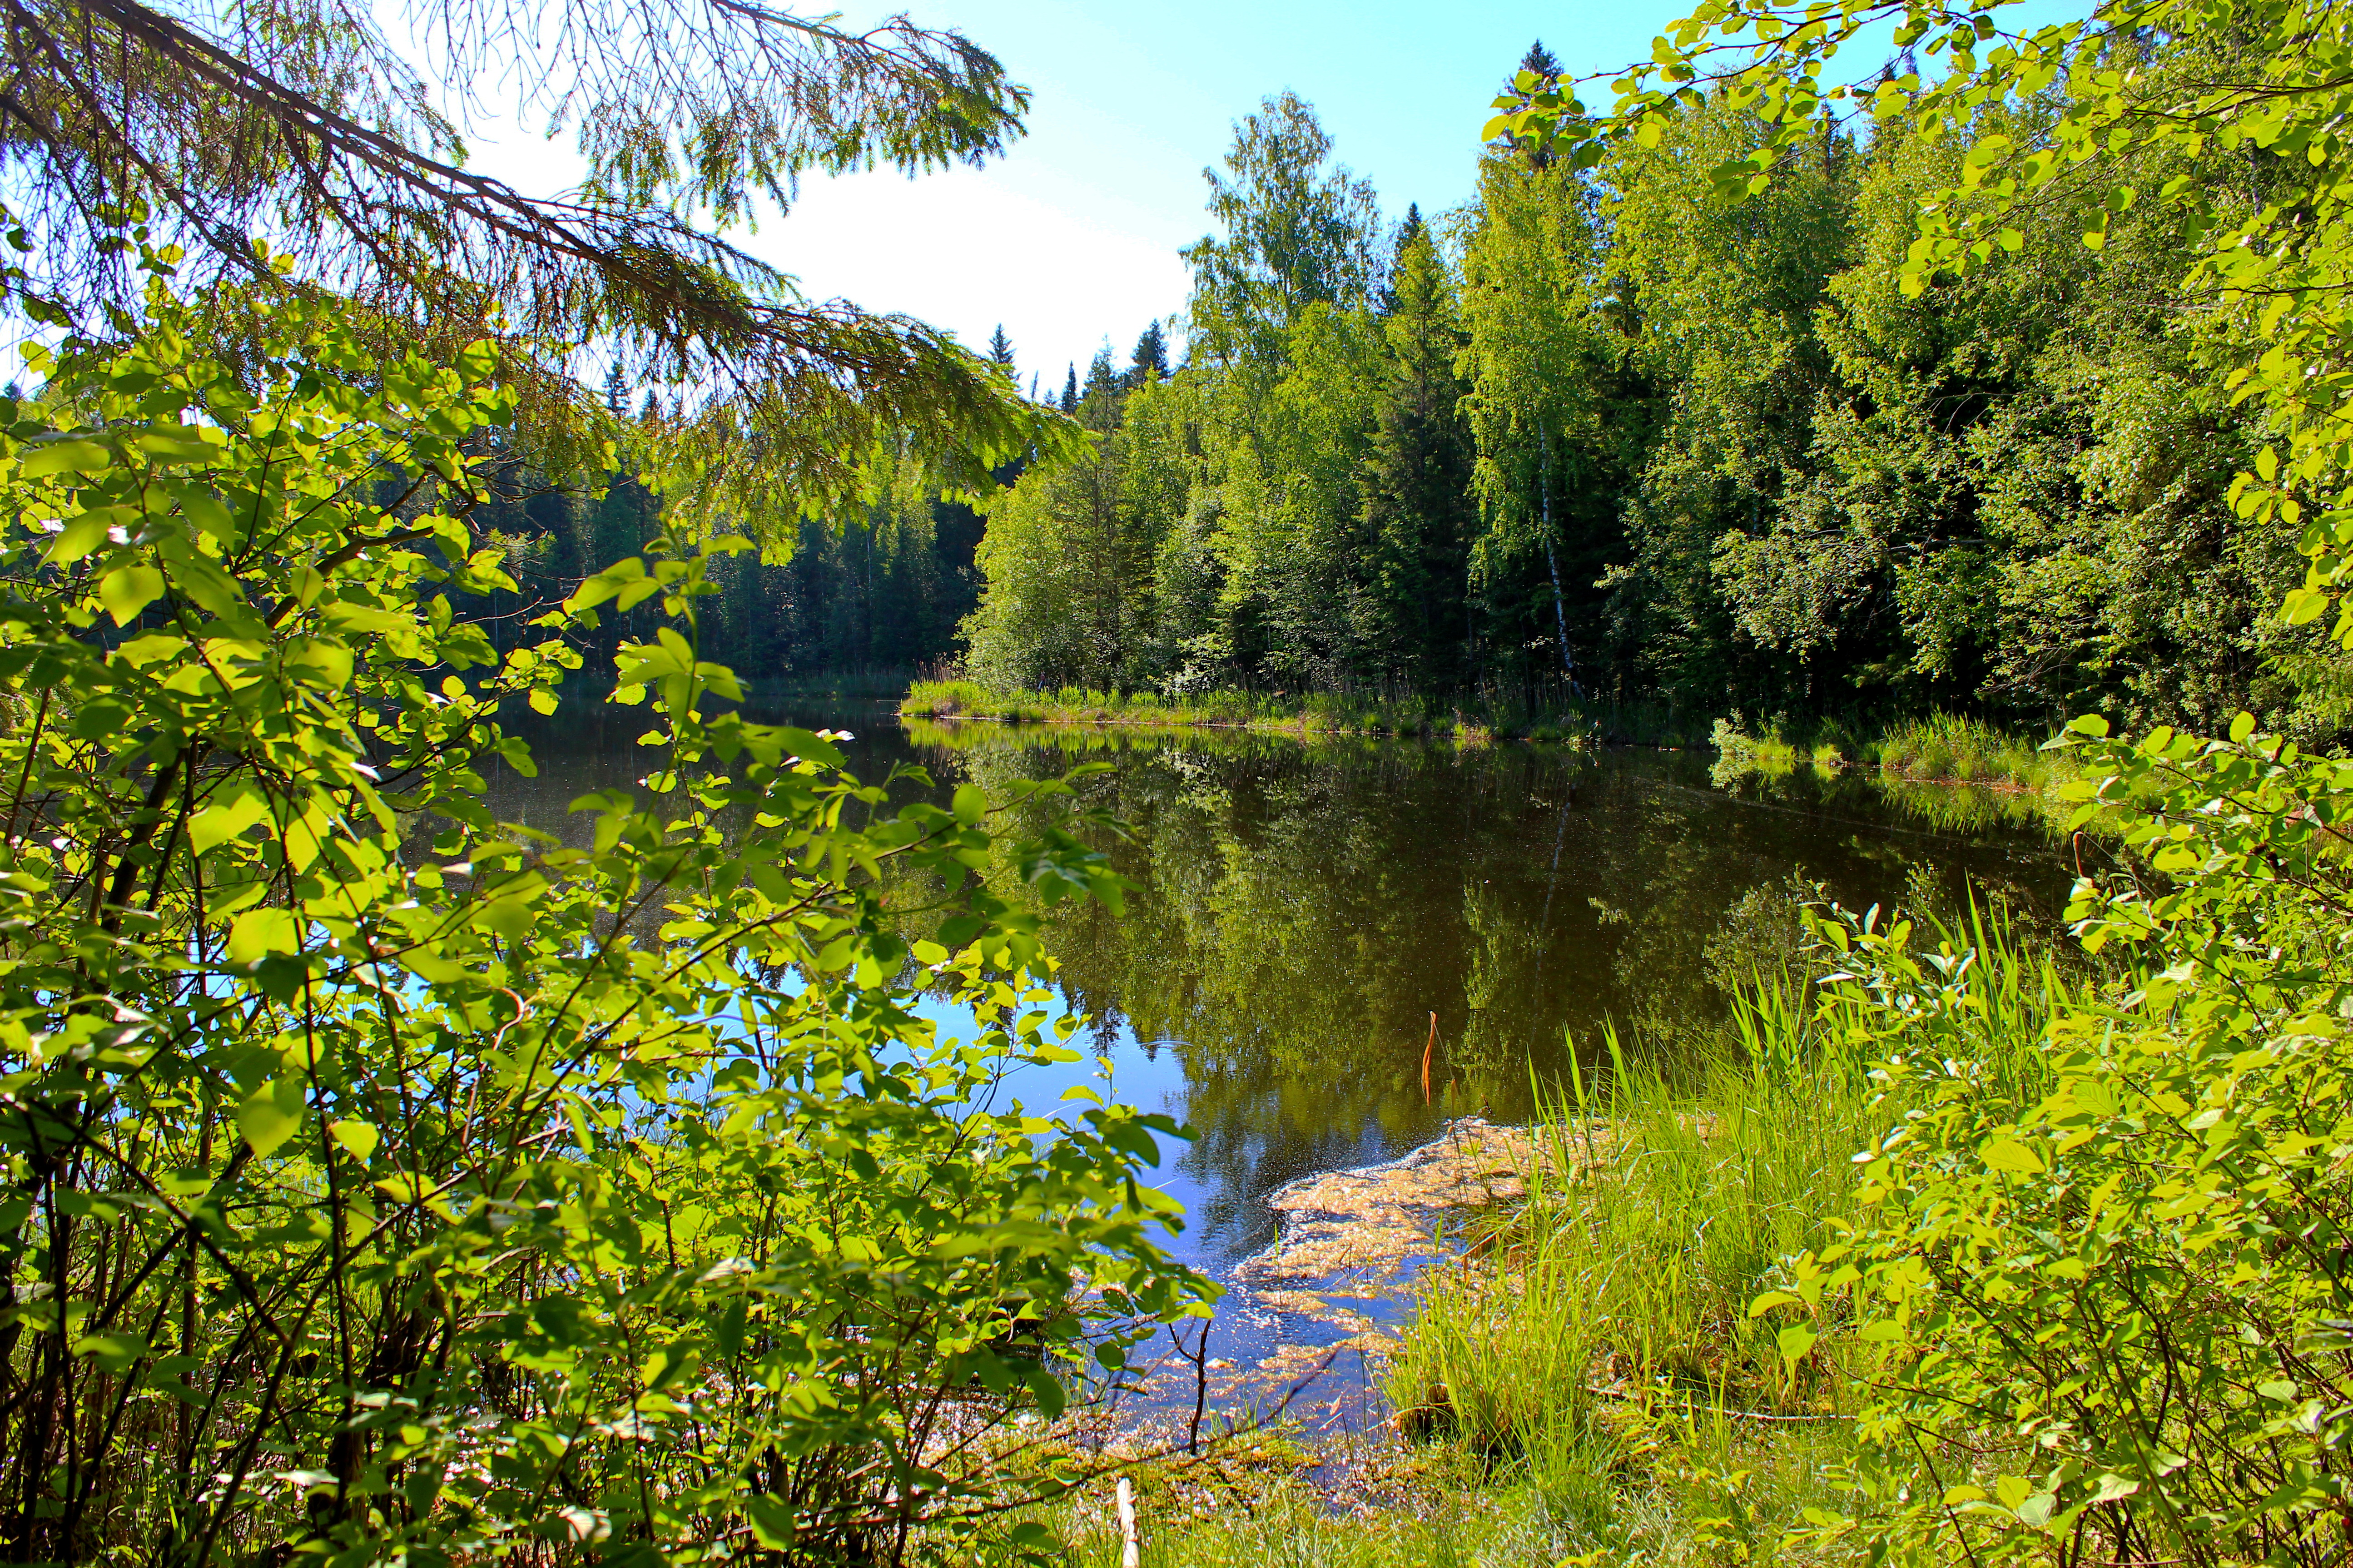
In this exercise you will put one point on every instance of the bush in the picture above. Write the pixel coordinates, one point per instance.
(2106, 1305)
(384, 1180)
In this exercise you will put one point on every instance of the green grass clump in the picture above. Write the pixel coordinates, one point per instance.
(1965, 751)
(1944, 748)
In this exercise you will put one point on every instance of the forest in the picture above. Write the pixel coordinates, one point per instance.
(1599, 434)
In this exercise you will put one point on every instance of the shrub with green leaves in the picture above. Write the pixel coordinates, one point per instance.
(386, 1182)
(2103, 1305)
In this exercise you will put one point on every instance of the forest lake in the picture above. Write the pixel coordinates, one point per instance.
(1351, 966)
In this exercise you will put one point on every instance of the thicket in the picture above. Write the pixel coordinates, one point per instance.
(387, 1182)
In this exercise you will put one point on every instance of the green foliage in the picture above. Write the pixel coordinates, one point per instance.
(1417, 520)
(2099, 1303)
(877, 585)
(1295, 237)
(1069, 555)
(387, 1181)
(199, 129)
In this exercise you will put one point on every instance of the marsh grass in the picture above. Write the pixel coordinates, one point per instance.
(1602, 1330)
(1966, 750)
(1618, 1293)
(1470, 719)
(1942, 749)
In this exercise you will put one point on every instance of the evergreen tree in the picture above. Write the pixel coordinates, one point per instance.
(1000, 347)
(207, 125)
(1105, 392)
(1070, 392)
(617, 392)
(1417, 512)
(1408, 232)
(1149, 362)
(1540, 63)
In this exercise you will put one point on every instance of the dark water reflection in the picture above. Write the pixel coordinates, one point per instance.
(1304, 909)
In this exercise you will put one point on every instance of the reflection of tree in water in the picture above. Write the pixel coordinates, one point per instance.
(1303, 911)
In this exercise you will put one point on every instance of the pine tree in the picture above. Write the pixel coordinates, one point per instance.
(1408, 232)
(1102, 398)
(1000, 347)
(1070, 392)
(1417, 510)
(616, 393)
(1149, 362)
(1542, 64)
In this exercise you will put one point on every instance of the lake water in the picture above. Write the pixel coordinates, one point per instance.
(1305, 907)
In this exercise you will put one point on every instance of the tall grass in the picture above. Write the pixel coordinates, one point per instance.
(1945, 748)
(1672, 1186)
(1967, 751)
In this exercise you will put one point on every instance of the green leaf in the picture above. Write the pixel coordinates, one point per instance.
(771, 1521)
(225, 816)
(70, 456)
(271, 1113)
(2009, 1154)
(357, 1138)
(2300, 606)
(113, 1352)
(431, 965)
(180, 444)
(127, 589)
(1793, 1343)
(258, 933)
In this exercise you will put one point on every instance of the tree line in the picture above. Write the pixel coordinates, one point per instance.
(877, 582)
(1601, 431)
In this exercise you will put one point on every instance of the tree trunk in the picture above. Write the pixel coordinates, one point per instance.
(1559, 607)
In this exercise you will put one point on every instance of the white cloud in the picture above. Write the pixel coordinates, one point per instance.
(965, 250)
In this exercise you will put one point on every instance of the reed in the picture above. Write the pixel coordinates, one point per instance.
(1966, 750)
(1606, 1320)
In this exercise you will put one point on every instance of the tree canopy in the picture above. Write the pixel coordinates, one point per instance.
(295, 149)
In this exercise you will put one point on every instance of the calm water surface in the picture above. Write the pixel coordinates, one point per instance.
(1305, 907)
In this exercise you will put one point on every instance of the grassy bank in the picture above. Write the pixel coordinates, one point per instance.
(1468, 719)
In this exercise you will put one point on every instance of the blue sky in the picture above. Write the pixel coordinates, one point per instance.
(1072, 237)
